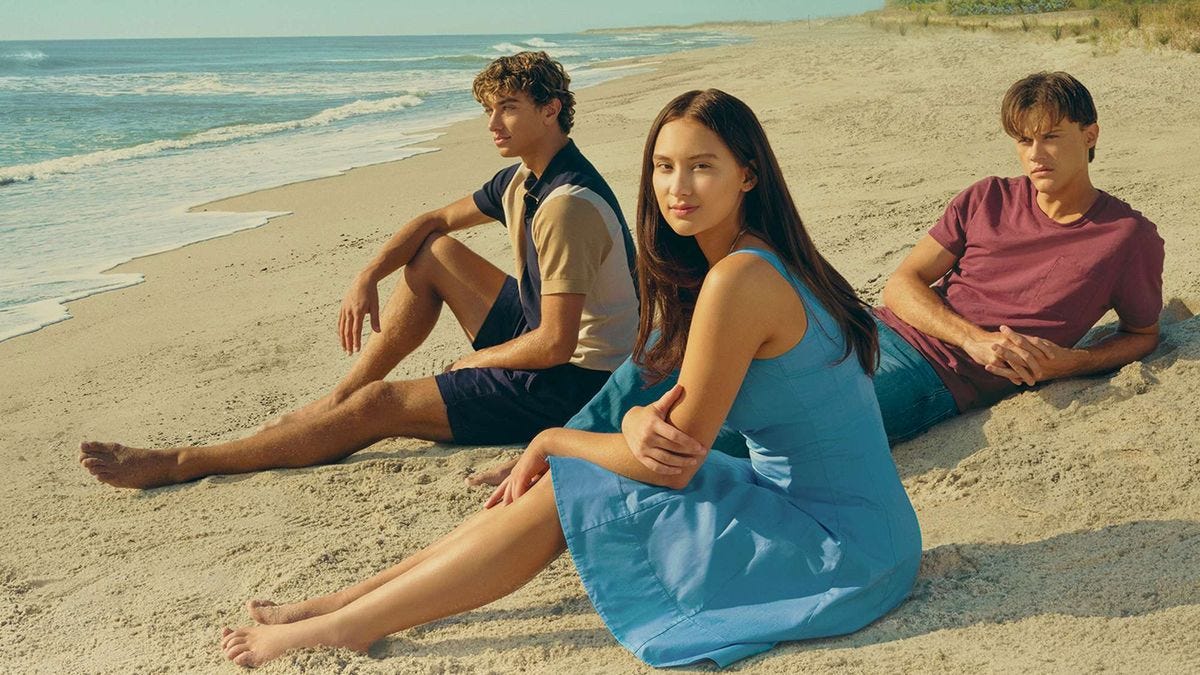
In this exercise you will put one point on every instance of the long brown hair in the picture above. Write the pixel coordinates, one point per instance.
(671, 267)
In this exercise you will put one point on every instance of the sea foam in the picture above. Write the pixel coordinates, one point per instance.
(39, 170)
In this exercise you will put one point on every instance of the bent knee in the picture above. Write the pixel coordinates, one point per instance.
(376, 395)
(433, 258)
(436, 247)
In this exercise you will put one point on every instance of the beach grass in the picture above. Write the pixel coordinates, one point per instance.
(1167, 24)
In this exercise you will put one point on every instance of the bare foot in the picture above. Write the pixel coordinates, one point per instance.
(493, 476)
(268, 613)
(251, 646)
(119, 466)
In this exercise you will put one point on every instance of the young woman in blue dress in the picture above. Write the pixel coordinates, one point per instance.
(686, 554)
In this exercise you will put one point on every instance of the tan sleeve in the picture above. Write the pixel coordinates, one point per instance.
(572, 241)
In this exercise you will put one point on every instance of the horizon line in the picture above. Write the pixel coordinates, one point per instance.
(596, 29)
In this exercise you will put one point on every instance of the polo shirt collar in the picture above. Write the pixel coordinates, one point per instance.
(537, 186)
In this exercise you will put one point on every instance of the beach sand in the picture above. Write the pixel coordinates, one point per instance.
(1061, 527)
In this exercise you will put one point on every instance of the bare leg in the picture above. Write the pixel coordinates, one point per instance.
(444, 271)
(376, 411)
(268, 612)
(504, 549)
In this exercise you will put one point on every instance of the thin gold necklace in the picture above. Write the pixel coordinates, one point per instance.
(736, 239)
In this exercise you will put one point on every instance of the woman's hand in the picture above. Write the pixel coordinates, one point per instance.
(659, 446)
(531, 466)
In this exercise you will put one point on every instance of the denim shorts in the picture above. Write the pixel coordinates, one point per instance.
(911, 396)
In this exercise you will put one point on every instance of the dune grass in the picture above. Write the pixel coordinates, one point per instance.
(1169, 24)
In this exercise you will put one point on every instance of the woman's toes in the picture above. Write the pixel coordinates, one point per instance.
(228, 636)
(233, 653)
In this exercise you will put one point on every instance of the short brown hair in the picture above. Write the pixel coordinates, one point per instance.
(1043, 98)
(532, 73)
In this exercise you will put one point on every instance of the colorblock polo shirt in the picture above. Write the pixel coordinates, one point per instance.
(569, 236)
(1020, 268)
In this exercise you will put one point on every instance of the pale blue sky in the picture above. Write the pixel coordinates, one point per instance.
(59, 19)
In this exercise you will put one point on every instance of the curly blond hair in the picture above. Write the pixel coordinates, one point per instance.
(532, 73)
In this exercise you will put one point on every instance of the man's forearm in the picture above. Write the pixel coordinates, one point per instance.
(402, 246)
(535, 350)
(1112, 352)
(922, 308)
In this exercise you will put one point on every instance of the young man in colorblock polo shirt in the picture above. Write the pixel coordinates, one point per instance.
(544, 341)
(995, 297)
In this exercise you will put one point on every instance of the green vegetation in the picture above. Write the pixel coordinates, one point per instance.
(1171, 24)
(975, 7)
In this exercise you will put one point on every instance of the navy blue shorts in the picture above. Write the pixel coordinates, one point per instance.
(492, 406)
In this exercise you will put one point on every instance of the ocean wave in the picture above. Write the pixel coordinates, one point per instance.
(202, 84)
(25, 56)
(540, 43)
(510, 48)
(453, 58)
(39, 170)
(388, 83)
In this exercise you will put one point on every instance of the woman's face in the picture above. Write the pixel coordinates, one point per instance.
(698, 182)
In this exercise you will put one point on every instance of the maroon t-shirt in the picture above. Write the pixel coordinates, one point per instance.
(1018, 267)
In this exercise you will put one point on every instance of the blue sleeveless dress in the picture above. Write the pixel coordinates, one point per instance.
(811, 536)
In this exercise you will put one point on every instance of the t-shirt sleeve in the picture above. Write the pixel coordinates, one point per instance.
(951, 229)
(1137, 296)
(489, 199)
(572, 241)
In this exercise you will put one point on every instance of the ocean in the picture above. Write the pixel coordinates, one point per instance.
(105, 144)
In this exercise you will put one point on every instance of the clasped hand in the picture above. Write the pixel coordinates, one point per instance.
(1021, 359)
(657, 444)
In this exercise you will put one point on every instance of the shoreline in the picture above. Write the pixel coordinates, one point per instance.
(1064, 519)
(59, 309)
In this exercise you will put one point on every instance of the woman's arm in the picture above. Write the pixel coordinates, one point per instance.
(607, 450)
(745, 309)
(743, 306)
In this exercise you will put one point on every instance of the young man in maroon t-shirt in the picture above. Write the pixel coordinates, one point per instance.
(1017, 271)
(999, 292)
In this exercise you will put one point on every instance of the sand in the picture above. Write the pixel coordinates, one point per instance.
(1061, 527)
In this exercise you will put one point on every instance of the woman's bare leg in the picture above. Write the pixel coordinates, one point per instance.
(267, 612)
(501, 551)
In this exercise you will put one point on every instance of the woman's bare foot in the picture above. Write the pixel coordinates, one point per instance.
(268, 613)
(251, 646)
(119, 466)
(493, 476)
